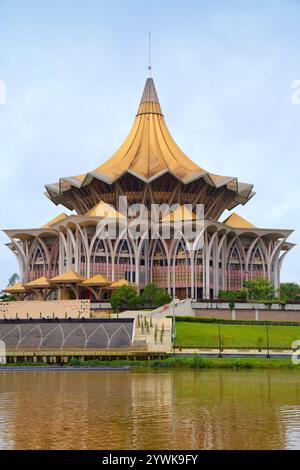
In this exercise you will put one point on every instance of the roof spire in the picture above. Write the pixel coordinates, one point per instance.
(149, 102)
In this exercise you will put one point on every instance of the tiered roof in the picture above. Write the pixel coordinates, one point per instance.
(148, 152)
(236, 221)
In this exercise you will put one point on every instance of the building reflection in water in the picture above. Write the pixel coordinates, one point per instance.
(209, 409)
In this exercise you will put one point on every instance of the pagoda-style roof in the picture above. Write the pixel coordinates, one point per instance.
(55, 220)
(15, 289)
(39, 283)
(104, 210)
(236, 221)
(67, 277)
(182, 213)
(96, 280)
(147, 153)
(120, 283)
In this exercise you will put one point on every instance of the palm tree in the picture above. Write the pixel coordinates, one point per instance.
(14, 278)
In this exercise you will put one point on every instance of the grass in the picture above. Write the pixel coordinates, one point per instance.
(197, 362)
(206, 335)
(179, 362)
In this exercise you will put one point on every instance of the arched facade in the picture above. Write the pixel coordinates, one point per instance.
(150, 169)
(223, 259)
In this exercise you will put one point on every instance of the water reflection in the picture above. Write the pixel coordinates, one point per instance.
(213, 409)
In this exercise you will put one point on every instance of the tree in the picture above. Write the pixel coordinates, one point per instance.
(149, 293)
(124, 297)
(14, 278)
(289, 291)
(233, 295)
(4, 296)
(155, 297)
(162, 297)
(260, 289)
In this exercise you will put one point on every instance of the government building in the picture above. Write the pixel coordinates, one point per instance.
(74, 256)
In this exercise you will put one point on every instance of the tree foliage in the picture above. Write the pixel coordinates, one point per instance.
(260, 289)
(255, 290)
(289, 291)
(4, 296)
(233, 295)
(14, 278)
(124, 297)
(152, 296)
(149, 294)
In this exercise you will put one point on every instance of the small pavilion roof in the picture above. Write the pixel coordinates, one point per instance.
(102, 209)
(15, 288)
(56, 219)
(120, 283)
(236, 221)
(179, 214)
(97, 280)
(41, 282)
(68, 277)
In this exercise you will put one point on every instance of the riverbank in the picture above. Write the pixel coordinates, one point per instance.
(192, 362)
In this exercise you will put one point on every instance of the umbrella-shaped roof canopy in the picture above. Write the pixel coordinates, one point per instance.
(148, 152)
(120, 283)
(15, 288)
(69, 277)
(97, 280)
(104, 210)
(182, 213)
(54, 221)
(39, 283)
(236, 221)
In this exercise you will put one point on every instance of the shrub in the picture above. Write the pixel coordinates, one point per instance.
(232, 295)
(155, 297)
(260, 289)
(74, 362)
(124, 297)
(198, 363)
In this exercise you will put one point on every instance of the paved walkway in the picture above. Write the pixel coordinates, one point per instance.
(156, 332)
(233, 352)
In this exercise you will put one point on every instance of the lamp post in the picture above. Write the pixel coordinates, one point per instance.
(173, 324)
(220, 345)
(247, 287)
(268, 341)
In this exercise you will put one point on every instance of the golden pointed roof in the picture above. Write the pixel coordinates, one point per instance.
(15, 288)
(148, 152)
(120, 283)
(104, 210)
(56, 219)
(180, 214)
(236, 221)
(41, 282)
(96, 280)
(67, 277)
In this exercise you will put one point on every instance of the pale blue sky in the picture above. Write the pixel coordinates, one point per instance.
(75, 70)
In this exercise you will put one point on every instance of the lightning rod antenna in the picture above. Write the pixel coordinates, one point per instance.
(149, 53)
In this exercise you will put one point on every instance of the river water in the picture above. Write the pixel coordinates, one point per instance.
(173, 409)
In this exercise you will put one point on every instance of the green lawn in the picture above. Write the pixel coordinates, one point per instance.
(192, 334)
